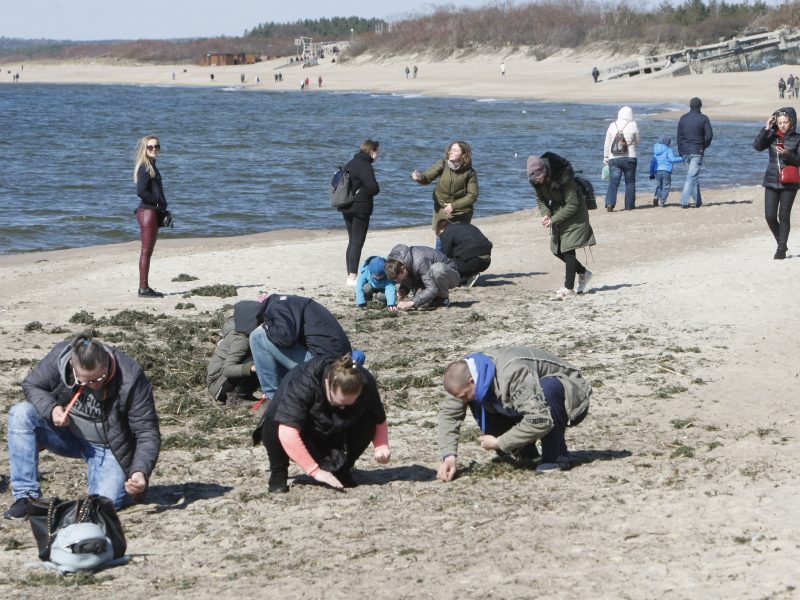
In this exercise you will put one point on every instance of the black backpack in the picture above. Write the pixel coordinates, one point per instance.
(341, 190)
(586, 191)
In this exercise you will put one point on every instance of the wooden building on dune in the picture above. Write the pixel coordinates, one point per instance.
(217, 59)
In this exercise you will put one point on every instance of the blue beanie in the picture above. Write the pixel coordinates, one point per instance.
(377, 266)
(359, 357)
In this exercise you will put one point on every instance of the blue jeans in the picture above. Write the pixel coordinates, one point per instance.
(274, 362)
(663, 186)
(28, 432)
(617, 168)
(691, 188)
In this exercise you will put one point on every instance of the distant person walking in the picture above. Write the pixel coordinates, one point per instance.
(357, 215)
(212, 78)
(407, 72)
(780, 137)
(781, 87)
(619, 153)
(319, 81)
(694, 136)
(415, 71)
(152, 203)
(502, 69)
(595, 74)
(790, 84)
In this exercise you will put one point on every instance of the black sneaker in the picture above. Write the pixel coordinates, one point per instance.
(149, 292)
(18, 511)
(277, 481)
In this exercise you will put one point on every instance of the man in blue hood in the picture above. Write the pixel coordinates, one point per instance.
(517, 396)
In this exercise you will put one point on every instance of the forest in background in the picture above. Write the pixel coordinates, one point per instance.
(542, 27)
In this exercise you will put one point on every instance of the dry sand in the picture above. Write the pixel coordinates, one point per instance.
(685, 485)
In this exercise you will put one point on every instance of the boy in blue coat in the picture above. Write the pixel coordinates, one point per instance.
(372, 281)
(661, 169)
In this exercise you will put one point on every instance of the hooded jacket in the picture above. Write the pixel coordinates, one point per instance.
(290, 320)
(663, 156)
(458, 188)
(362, 178)
(418, 260)
(517, 388)
(694, 131)
(232, 358)
(130, 422)
(629, 129)
(385, 285)
(558, 197)
(767, 139)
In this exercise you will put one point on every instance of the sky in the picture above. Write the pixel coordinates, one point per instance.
(164, 19)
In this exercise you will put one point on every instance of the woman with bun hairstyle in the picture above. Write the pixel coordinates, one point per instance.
(323, 417)
(780, 137)
(152, 202)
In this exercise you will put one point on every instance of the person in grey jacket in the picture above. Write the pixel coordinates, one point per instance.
(426, 272)
(517, 396)
(85, 400)
(231, 377)
(694, 136)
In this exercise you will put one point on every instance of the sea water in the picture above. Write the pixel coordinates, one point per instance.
(236, 162)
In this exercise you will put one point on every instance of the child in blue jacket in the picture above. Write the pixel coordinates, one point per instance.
(661, 169)
(372, 282)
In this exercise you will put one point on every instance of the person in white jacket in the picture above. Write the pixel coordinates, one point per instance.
(619, 153)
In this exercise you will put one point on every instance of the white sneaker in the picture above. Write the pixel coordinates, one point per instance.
(583, 281)
(563, 294)
(351, 281)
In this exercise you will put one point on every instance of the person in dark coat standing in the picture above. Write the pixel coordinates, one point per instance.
(595, 74)
(85, 400)
(781, 138)
(357, 215)
(294, 330)
(469, 249)
(150, 190)
(323, 417)
(694, 136)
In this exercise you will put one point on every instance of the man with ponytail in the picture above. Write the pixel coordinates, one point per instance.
(323, 416)
(85, 400)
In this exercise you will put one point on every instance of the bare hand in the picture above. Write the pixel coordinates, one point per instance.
(60, 417)
(136, 484)
(447, 470)
(448, 210)
(546, 221)
(770, 122)
(382, 455)
(415, 175)
(489, 442)
(392, 308)
(405, 304)
(328, 478)
(780, 149)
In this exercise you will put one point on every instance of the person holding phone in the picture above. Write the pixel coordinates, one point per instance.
(781, 138)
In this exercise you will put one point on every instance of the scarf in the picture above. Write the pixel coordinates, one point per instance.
(453, 166)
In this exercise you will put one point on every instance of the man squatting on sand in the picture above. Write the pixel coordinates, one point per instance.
(517, 396)
(427, 273)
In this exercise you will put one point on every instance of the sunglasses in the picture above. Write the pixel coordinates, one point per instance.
(91, 381)
(156, 148)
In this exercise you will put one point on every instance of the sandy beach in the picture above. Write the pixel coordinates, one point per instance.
(684, 484)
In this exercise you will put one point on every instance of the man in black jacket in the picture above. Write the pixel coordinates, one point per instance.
(85, 400)
(694, 136)
(467, 246)
(295, 329)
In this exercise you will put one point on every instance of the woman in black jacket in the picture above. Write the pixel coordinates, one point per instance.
(356, 215)
(323, 417)
(151, 192)
(781, 138)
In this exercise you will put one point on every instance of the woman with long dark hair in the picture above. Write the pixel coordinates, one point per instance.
(781, 138)
(152, 202)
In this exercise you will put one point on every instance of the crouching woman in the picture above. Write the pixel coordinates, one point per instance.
(324, 415)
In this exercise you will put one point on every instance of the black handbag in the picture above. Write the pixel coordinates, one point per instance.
(165, 219)
(48, 515)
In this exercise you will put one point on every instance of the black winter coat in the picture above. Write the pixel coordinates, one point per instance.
(150, 189)
(302, 404)
(291, 320)
(362, 178)
(694, 133)
(464, 241)
(767, 139)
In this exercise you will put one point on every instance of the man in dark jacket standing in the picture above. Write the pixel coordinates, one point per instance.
(295, 329)
(85, 400)
(470, 250)
(694, 136)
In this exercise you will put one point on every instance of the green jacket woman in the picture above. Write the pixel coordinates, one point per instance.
(457, 186)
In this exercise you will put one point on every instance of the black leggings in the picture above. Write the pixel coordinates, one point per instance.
(357, 226)
(777, 212)
(573, 266)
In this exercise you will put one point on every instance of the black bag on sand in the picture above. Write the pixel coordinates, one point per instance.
(48, 515)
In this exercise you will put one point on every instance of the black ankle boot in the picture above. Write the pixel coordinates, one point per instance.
(149, 292)
(277, 481)
(780, 254)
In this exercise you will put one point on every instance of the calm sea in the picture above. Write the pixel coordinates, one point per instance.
(236, 162)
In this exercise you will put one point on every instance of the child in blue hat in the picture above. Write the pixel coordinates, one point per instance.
(373, 283)
(661, 169)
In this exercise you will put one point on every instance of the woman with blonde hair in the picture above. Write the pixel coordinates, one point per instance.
(457, 187)
(152, 205)
(323, 417)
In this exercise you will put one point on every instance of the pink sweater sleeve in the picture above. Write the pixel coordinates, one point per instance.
(381, 437)
(293, 444)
